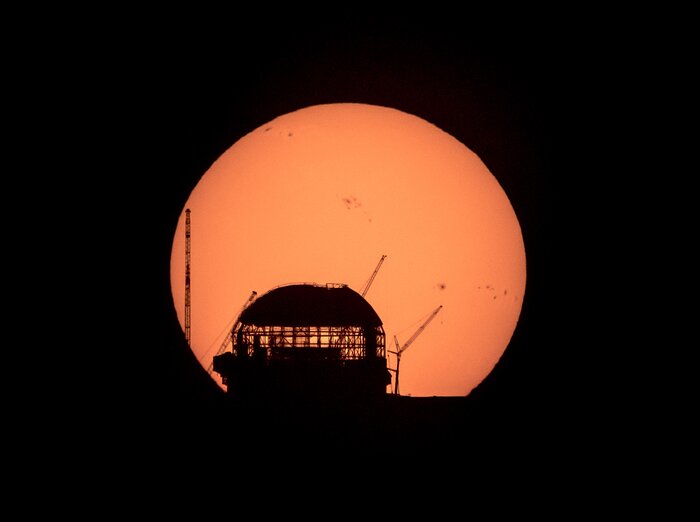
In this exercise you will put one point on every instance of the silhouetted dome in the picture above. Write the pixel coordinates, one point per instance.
(311, 305)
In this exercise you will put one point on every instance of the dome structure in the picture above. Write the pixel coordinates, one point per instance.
(310, 339)
(311, 305)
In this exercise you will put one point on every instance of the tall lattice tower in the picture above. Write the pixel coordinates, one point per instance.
(188, 311)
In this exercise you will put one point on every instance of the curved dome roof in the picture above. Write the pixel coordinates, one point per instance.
(311, 305)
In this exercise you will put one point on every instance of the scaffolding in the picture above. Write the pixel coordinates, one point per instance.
(345, 343)
(305, 338)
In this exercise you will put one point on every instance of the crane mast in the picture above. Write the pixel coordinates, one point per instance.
(404, 347)
(188, 304)
(229, 335)
(371, 278)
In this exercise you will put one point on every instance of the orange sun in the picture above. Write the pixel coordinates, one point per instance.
(320, 195)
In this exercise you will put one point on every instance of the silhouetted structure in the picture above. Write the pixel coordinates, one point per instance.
(306, 340)
(188, 259)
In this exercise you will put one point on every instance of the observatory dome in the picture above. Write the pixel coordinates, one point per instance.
(309, 304)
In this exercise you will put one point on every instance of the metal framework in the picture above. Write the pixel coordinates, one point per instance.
(229, 335)
(374, 274)
(333, 342)
(305, 340)
(188, 311)
(401, 349)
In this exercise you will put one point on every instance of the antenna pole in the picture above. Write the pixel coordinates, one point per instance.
(188, 311)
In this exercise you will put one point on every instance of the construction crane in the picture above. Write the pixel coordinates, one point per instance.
(371, 278)
(188, 311)
(229, 335)
(400, 350)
